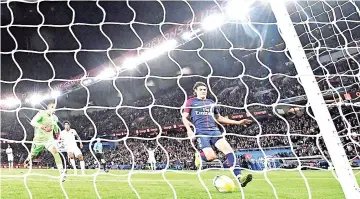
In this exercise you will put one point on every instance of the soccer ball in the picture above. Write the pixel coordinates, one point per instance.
(223, 184)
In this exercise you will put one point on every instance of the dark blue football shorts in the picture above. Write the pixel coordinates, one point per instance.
(207, 138)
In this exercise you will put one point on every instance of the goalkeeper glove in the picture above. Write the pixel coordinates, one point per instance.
(47, 128)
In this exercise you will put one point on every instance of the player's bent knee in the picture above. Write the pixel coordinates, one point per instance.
(80, 157)
(209, 154)
(224, 146)
(211, 157)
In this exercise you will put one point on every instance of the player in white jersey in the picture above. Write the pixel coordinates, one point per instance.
(63, 153)
(151, 159)
(10, 157)
(68, 136)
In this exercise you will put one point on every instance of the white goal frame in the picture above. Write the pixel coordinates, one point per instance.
(328, 131)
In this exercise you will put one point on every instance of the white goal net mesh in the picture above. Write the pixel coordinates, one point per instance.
(332, 46)
(122, 71)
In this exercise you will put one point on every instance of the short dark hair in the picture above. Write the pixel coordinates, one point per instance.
(66, 122)
(198, 84)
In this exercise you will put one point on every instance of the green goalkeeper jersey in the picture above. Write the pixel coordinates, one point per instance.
(40, 119)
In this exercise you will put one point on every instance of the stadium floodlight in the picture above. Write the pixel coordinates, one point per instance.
(87, 82)
(237, 10)
(131, 63)
(212, 22)
(9, 102)
(185, 71)
(34, 99)
(158, 50)
(149, 54)
(13, 102)
(45, 97)
(106, 73)
(190, 35)
(55, 94)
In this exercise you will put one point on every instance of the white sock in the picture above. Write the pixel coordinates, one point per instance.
(72, 161)
(82, 166)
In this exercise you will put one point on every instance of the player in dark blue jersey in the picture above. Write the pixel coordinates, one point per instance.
(204, 118)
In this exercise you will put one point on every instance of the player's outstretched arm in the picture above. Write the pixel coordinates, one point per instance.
(225, 120)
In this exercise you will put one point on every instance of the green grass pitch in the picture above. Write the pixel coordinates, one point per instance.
(151, 185)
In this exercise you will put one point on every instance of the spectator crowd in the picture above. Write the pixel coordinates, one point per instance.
(295, 128)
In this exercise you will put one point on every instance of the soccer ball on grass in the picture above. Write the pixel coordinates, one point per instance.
(223, 184)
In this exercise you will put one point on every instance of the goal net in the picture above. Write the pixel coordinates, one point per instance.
(122, 72)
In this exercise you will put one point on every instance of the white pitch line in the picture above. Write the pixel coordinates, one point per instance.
(152, 180)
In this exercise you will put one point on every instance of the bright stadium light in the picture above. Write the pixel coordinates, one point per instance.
(212, 22)
(55, 94)
(87, 82)
(158, 50)
(34, 99)
(190, 35)
(45, 97)
(237, 10)
(10, 102)
(106, 73)
(185, 71)
(130, 63)
(14, 102)
(167, 45)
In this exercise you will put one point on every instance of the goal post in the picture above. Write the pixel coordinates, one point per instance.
(328, 131)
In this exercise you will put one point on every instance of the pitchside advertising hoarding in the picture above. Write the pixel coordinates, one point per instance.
(328, 94)
(353, 96)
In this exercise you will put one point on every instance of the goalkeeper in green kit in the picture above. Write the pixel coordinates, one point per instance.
(45, 123)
